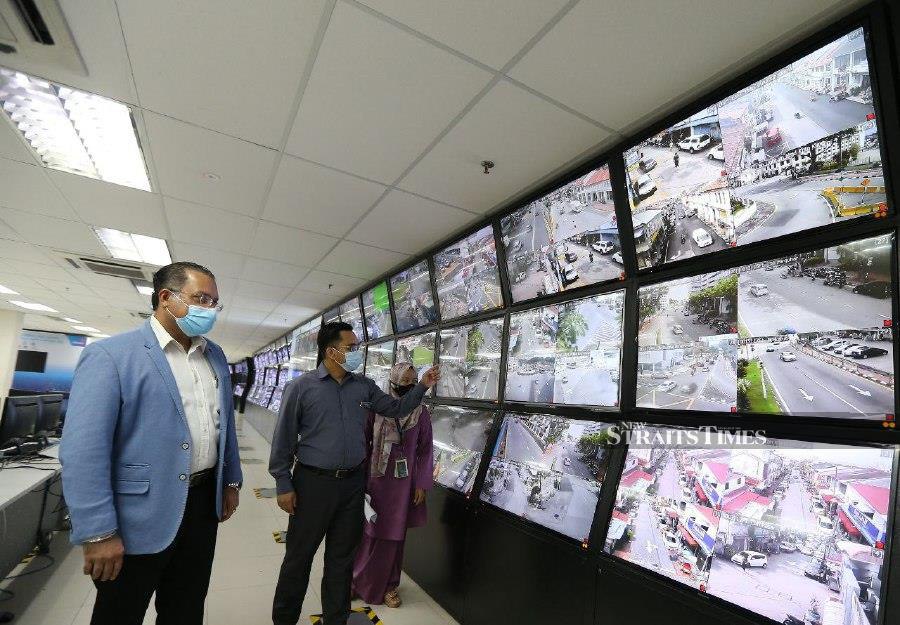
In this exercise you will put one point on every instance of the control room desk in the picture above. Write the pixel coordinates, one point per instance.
(30, 504)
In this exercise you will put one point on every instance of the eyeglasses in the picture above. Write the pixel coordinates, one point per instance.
(351, 348)
(204, 300)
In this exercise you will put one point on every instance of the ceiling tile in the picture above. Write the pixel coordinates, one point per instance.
(227, 66)
(104, 284)
(360, 261)
(272, 272)
(317, 198)
(97, 33)
(195, 223)
(113, 206)
(12, 146)
(26, 187)
(183, 154)
(490, 32)
(19, 250)
(318, 301)
(387, 226)
(331, 284)
(262, 291)
(220, 262)
(70, 236)
(28, 269)
(525, 136)
(378, 96)
(649, 54)
(296, 247)
(262, 306)
(247, 315)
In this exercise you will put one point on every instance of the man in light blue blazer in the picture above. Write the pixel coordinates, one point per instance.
(150, 456)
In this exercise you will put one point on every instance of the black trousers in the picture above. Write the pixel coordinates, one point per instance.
(179, 575)
(328, 508)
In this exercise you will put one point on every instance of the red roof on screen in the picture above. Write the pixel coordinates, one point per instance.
(596, 176)
(876, 496)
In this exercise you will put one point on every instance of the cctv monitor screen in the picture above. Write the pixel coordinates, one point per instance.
(467, 279)
(379, 360)
(31, 361)
(271, 376)
(563, 240)
(275, 402)
(802, 146)
(304, 348)
(549, 470)
(678, 191)
(780, 527)
(418, 350)
(470, 360)
(460, 436)
(350, 313)
(332, 315)
(807, 335)
(816, 333)
(413, 299)
(377, 312)
(568, 353)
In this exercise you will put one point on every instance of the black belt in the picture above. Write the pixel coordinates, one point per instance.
(202, 477)
(338, 473)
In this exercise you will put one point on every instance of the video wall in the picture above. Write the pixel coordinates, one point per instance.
(551, 352)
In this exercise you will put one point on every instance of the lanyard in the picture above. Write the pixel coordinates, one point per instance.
(399, 428)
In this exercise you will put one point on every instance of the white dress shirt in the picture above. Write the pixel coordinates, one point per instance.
(198, 386)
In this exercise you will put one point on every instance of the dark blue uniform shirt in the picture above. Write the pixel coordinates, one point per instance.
(322, 422)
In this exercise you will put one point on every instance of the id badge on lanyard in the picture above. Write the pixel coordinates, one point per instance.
(401, 466)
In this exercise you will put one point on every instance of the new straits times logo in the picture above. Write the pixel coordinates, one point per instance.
(638, 435)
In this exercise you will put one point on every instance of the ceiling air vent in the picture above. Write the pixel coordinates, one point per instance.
(34, 36)
(134, 272)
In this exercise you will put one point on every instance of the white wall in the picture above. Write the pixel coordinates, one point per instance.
(10, 328)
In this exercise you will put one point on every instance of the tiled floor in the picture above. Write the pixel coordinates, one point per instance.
(243, 578)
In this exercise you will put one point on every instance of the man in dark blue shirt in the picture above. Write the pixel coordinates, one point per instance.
(318, 462)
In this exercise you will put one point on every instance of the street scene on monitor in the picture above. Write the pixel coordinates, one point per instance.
(678, 192)
(470, 360)
(564, 240)
(567, 353)
(460, 436)
(468, 279)
(377, 312)
(413, 299)
(782, 529)
(801, 146)
(379, 360)
(418, 350)
(350, 313)
(549, 470)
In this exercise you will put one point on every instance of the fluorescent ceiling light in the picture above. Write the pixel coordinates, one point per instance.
(70, 320)
(101, 336)
(86, 329)
(32, 306)
(136, 247)
(74, 131)
(7, 291)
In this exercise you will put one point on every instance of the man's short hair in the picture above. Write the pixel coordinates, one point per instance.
(173, 277)
(329, 336)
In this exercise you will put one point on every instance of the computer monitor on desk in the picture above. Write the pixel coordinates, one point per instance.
(19, 419)
(49, 414)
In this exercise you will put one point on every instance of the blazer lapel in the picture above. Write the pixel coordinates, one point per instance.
(162, 365)
(224, 377)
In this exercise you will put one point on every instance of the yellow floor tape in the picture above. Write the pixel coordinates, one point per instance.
(366, 611)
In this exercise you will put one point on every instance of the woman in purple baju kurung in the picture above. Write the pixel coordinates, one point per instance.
(398, 496)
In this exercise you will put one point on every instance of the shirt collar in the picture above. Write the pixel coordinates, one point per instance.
(165, 339)
(322, 372)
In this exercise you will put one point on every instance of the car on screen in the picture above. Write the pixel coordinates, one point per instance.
(671, 540)
(788, 356)
(666, 386)
(570, 274)
(645, 186)
(646, 164)
(878, 288)
(717, 153)
(695, 143)
(759, 290)
(571, 257)
(604, 247)
(772, 137)
(787, 546)
(677, 329)
(752, 558)
(701, 237)
(843, 349)
(617, 258)
(866, 351)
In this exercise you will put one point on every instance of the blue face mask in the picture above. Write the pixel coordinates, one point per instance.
(197, 321)
(352, 361)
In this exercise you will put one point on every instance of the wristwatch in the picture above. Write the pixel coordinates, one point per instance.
(234, 485)
(101, 537)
